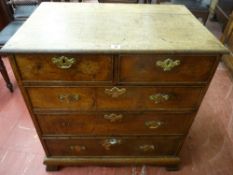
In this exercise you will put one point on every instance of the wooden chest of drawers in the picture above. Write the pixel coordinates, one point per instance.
(113, 84)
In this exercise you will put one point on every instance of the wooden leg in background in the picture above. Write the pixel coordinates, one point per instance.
(5, 75)
(228, 61)
(51, 168)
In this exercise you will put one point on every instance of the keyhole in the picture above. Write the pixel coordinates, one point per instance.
(63, 61)
(168, 63)
(112, 141)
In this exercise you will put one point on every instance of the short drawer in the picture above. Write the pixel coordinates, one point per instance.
(113, 146)
(148, 98)
(118, 123)
(65, 67)
(62, 98)
(165, 68)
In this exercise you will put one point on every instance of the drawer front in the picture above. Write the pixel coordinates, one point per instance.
(65, 68)
(62, 98)
(109, 123)
(113, 146)
(115, 98)
(147, 98)
(165, 68)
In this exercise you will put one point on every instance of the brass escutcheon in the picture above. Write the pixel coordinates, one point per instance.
(108, 143)
(77, 148)
(158, 98)
(65, 124)
(69, 97)
(167, 64)
(63, 62)
(115, 92)
(147, 148)
(153, 124)
(113, 117)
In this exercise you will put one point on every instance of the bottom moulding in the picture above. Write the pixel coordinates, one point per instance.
(54, 163)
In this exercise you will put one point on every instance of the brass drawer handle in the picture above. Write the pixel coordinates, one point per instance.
(158, 98)
(153, 124)
(115, 92)
(167, 64)
(147, 148)
(63, 62)
(108, 143)
(68, 97)
(113, 117)
(77, 148)
(65, 124)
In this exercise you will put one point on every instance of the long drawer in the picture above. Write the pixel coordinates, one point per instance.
(65, 68)
(151, 68)
(113, 146)
(115, 98)
(115, 123)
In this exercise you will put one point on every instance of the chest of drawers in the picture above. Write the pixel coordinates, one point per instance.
(113, 84)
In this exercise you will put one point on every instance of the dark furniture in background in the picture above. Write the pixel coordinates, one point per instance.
(223, 10)
(227, 39)
(5, 15)
(11, 23)
(57, 0)
(199, 8)
(22, 9)
(10, 27)
(5, 35)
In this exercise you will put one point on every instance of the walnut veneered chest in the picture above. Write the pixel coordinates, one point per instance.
(111, 84)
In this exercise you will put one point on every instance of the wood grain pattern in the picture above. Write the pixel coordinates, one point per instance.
(49, 98)
(143, 68)
(85, 68)
(132, 123)
(112, 161)
(135, 98)
(128, 146)
(138, 98)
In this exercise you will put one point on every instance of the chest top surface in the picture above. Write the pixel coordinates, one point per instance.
(112, 28)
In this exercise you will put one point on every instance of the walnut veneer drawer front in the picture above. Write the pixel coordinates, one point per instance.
(62, 98)
(147, 98)
(115, 123)
(65, 67)
(165, 68)
(113, 146)
(115, 98)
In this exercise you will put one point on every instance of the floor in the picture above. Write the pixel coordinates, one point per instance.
(207, 150)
